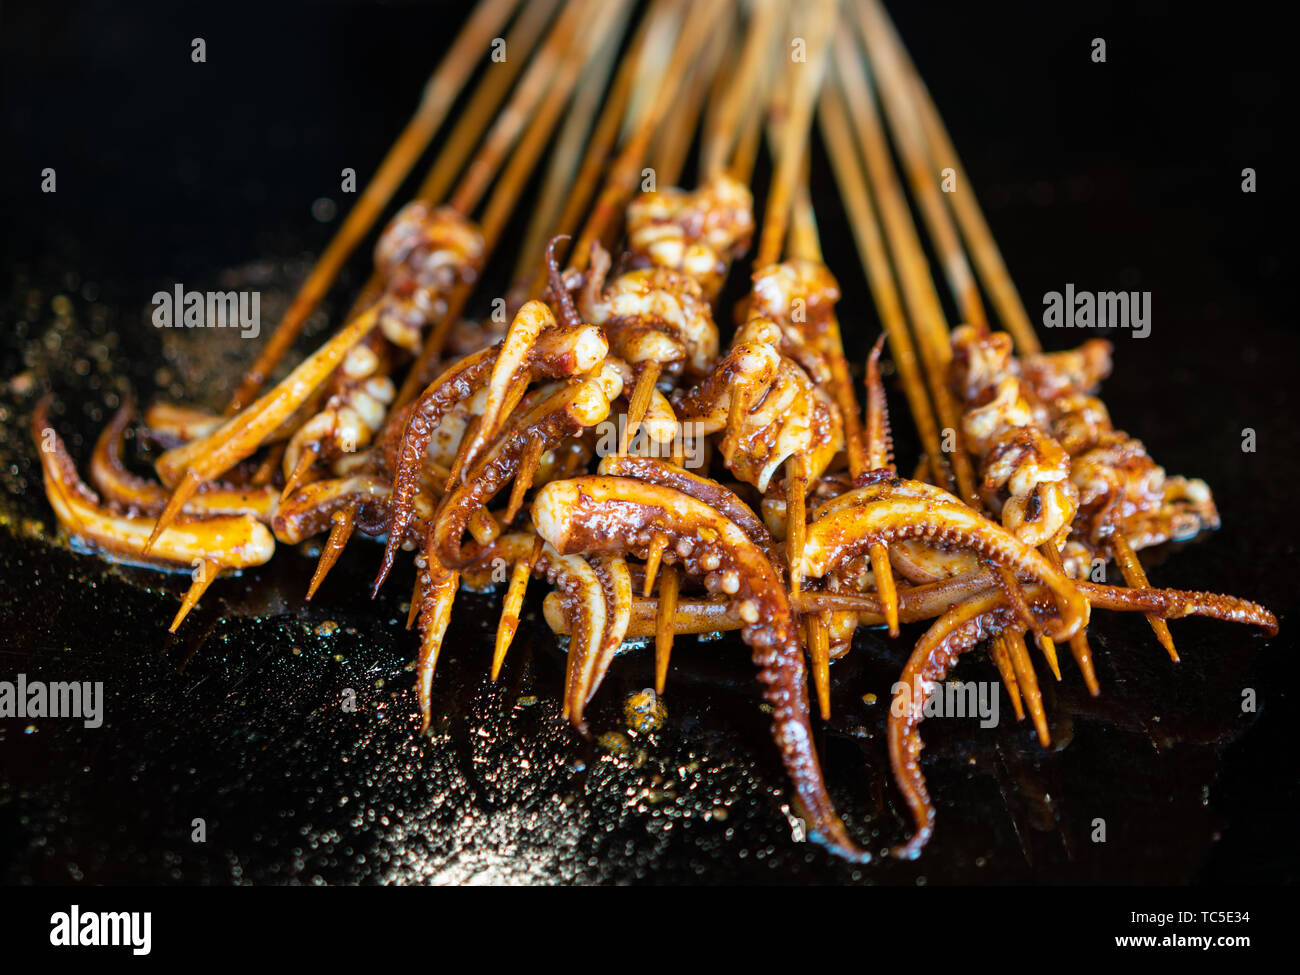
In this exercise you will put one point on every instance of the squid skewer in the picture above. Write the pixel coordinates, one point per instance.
(516, 175)
(439, 94)
(206, 545)
(927, 315)
(243, 442)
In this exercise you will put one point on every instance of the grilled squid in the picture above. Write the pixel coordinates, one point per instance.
(352, 415)
(1026, 473)
(697, 233)
(652, 315)
(570, 410)
(846, 527)
(423, 255)
(593, 515)
(543, 349)
(137, 495)
(768, 407)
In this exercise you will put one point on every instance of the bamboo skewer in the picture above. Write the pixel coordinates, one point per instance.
(918, 129)
(678, 128)
(970, 218)
(922, 301)
(727, 120)
(1135, 577)
(242, 434)
(794, 138)
(439, 94)
(341, 525)
(864, 220)
(608, 18)
(566, 157)
(866, 225)
(904, 125)
(480, 111)
(519, 169)
(615, 113)
(623, 176)
(923, 179)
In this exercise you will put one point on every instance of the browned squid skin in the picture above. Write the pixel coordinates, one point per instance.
(559, 351)
(958, 630)
(653, 470)
(307, 512)
(1176, 603)
(233, 541)
(892, 511)
(653, 314)
(698, 233)
(978, 617)
(456, 384)
(564, 414)
(596, 514)
(423, 255)
(138, 495)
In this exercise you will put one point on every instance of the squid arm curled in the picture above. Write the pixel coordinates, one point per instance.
(599, 514)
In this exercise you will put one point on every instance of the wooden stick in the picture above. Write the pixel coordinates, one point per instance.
(664, 617)
(513, 180)
(727, 121)
(1136, 578)
(856, 196)
(1028, 681)
(1079, 648)
(819, 653)
(205, 572)
(341, 525)
(439, 94)
(639, 401)
(514, 602)
(901, 114)
(653, 557)
(193, 464)
(624, 174)
(506, 129)
(1002, 660)
(566, 157)
(970, 218)
(678, 128)
(614, 113)
(467, 132)
(794, 141)
(925, 310)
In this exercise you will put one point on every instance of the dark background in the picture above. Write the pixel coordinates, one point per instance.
(1120, 175)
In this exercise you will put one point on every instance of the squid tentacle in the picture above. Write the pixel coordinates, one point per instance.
(594, 514)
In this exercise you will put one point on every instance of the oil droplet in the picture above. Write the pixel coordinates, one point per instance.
(328, 628)
(868, 699)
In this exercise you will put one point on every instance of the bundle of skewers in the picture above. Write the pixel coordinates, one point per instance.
(750, 483)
